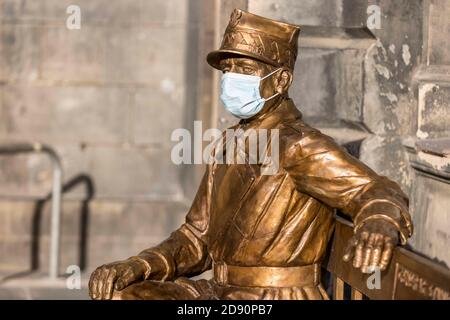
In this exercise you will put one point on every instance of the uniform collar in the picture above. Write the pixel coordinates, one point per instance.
(284, 111)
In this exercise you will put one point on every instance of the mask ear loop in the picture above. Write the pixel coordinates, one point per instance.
(266, 76)
(271, 97)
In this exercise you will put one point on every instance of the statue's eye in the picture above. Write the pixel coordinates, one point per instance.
(248, 70)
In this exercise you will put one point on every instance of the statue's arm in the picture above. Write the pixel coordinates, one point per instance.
(184, 253)
(377, 206)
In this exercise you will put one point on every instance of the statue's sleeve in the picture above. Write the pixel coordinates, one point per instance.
(185, 253)
(324, 170)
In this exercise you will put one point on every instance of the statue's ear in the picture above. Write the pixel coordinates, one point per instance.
(284, 80)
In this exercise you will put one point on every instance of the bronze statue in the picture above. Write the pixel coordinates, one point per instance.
(265, 236)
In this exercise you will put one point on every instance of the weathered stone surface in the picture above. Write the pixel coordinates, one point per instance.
(92, 92)
(355, 13)
(157, 112)
(42, 291)
(309, 12)
(25, 175)
(227, 7)
(112, 54)
(430, 159)
(15, 254)
(114, 230)
(119, 12)
(320, 94)
(335, 38)
(389, 102)
(70, 114)
(106, 97)
(106, 12)
(19, 53)
(386, 156)
(430, 217)
(391, 63)
(434, 111)
(73, 55)
(124, 172)
(168, 12)
(438, 33)
(163, 52)
(135, 173)
(439, 147)
(314, 86)
(11, 10)
(2, 124)
(349, 92)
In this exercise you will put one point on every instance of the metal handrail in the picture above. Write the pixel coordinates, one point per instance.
(55, 223)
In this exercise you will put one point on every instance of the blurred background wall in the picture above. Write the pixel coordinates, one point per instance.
(107, 97)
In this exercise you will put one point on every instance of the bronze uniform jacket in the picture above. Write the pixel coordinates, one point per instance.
(243, 218)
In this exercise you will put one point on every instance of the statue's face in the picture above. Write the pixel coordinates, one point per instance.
(252, 67)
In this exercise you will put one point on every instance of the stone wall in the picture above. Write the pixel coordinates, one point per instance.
(107, 97)
(430, 152)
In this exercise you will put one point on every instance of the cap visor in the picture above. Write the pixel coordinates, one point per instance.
(214, 57)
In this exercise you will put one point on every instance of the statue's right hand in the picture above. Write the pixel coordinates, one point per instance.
(114, 276)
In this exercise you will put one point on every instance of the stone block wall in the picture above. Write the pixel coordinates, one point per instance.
(430, 152)
(107, 97)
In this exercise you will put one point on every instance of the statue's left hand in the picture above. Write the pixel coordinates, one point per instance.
(372, 246)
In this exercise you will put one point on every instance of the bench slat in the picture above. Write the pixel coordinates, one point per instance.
(356, 294)
(338, 289)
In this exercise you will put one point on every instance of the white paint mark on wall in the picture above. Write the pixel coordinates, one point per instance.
(390, 126)
(406, 55)
(382, 70)
(392, 48)
(422, 134)
(383, 50)
(391, 97)
(436, 162)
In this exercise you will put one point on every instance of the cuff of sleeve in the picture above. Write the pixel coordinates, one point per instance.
(150, 254)
(388, 211)
(148, 268)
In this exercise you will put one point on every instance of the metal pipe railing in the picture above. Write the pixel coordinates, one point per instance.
(55, 222)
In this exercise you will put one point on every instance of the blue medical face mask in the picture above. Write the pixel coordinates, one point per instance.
(240, 94)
